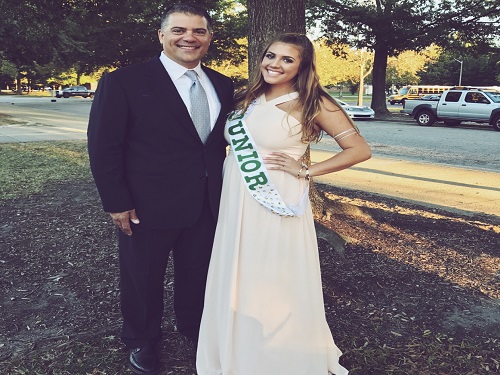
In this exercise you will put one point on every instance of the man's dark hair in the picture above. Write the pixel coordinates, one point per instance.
(186, 9)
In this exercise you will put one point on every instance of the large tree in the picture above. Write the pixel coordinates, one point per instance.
(267, 19)
(389, 27)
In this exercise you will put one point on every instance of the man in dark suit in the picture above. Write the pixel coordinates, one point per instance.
(160, 178)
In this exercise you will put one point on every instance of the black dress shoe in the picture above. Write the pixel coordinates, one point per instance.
(144, 360)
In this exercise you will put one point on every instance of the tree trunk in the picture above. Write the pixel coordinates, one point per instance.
(363, 73)
(268, 19)
(265, 20)
(19, 90)
(379, 104)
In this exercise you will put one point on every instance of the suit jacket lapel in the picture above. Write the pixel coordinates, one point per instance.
(166, 92)
(220, 90)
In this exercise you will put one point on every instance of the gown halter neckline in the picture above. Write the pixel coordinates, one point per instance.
(283, 98)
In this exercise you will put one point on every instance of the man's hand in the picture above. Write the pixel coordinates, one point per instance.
(123, 219)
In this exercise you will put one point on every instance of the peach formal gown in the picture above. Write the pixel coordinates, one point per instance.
(264, 312)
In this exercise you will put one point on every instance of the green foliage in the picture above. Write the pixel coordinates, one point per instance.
(8, 70)
(481, 70)
(230, 25)
(36, 31)
(45, 38)
(36, 35)
(390, 27)
(125, 32)
(407, 25)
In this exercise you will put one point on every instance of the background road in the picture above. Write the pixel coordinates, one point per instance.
(40, 119)
(472, 145)
(456, 169)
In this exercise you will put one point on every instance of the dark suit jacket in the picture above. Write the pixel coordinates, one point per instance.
(145, 152)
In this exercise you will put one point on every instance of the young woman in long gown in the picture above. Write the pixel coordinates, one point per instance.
(264, 312)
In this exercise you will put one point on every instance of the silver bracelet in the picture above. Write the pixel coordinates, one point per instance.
(301, 169)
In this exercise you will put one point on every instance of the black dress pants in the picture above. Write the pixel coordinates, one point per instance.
(143, 262)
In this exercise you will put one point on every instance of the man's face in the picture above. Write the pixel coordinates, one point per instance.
(185, 38)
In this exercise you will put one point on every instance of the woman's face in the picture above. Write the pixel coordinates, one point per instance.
(280, 64)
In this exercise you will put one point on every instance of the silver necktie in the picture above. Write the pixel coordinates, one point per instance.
(200, 111)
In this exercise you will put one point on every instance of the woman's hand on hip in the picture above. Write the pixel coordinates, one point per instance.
(283, 162)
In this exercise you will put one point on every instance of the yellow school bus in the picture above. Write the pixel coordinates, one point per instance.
(415, 92)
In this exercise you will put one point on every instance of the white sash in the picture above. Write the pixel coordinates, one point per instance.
(253, 169)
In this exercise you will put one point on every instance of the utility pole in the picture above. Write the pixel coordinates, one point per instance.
(364, 60)
(361, 80)
(460, 77)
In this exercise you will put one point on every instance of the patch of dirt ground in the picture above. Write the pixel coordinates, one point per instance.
(413, 291)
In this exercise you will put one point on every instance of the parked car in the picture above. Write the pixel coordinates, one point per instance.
(430, 97)
(357, 112)
(457, 105)
(409, 104)
(75, 91)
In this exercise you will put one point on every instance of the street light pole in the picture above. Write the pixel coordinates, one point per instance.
(460, 78)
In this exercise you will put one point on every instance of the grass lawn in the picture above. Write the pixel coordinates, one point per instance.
(27, 168)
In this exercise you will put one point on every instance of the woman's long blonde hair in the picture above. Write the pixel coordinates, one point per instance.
(306, 84)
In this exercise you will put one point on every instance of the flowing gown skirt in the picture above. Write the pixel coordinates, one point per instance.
(264, 311)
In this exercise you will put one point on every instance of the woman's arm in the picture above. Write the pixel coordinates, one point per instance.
(337, 124)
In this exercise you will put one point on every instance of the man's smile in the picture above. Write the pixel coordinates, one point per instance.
(188, 47)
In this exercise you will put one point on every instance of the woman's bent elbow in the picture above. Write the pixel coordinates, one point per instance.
(365, 154)
(368, 154)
